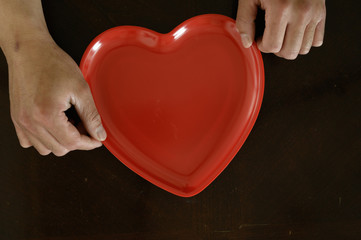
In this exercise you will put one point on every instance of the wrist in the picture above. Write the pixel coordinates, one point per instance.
(21, 22)
(23, 39)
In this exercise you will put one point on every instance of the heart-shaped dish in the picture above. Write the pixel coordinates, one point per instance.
(177, 107)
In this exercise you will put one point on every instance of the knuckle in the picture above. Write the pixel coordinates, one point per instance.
(61, 153)
(241, 20)
(13, 117)
(323, 11)
(272, 47)
(94, 118)
(305, 51)
(290, 55)
(317, 43)
(83, 89)
(72, 143)
(44, 152)
(306, 48)
(283, 4)
(320, 13)
(49, 146)
(28, 118)
(304, 11)
(24, 120)
(41, 115)
(305, 7)
(24, 143)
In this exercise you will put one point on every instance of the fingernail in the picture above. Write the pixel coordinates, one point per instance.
(102, 135)
(246, 40)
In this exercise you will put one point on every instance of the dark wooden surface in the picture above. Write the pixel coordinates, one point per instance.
(298, 176)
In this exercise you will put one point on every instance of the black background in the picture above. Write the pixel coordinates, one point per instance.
(298, 175)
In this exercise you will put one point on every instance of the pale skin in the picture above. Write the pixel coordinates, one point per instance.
(292, 27)
(44, 81)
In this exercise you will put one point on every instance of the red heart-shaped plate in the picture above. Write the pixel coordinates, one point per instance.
(177, 107)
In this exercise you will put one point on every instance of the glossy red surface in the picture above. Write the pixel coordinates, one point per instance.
(177, 107)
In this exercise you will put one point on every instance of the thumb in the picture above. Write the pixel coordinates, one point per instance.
(246, 15)
(85, 106)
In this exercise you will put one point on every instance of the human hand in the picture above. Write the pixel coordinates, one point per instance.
(44, 82)
(292, 27)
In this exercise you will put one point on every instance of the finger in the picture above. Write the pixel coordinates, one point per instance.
(43, 138)
(308, 38)
(70, 137)
(85, 106)
(23, 140)
(275, 29)
(293, 41)
(51, 143)
(246, 15)
(87, 143)
(319, 34)
(38, 145)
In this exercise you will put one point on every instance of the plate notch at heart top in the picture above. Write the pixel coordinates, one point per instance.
(177, 107)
